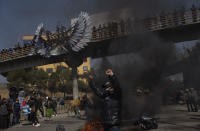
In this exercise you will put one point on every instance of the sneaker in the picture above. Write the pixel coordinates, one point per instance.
(37, 125)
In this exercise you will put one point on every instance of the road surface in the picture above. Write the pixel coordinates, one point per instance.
(172, 118)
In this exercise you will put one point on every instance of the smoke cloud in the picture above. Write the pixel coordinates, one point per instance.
(144, 67)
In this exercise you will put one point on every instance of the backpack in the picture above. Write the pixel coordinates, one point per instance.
(62, 102)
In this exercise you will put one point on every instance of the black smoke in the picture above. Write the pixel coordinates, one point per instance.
(145, 65)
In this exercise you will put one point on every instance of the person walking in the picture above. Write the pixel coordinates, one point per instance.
(49, 108)
(40, 104)
(188, 99)
(194, 99)
(33, 114)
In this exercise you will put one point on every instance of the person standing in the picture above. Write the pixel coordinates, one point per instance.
(188, 99)
(21, 96)
(49, 108)
(16, 112)
(194, 13)
(111, 96)
(9, 105)
(54, 102)
(194, 99)
(3, 115)
(62, 104)
(85, 104)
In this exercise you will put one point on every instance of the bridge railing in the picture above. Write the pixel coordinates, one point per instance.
(16, 53)
(173, 19)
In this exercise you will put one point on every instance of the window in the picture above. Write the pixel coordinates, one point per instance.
(85, 60)
(49, 70)
(85, 68)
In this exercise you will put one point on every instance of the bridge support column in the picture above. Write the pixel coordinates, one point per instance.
(75, 83)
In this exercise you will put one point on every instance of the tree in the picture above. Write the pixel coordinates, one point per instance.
(17, 78)
(83, 87)
(64, 79)
(32, 79)
(38, 78)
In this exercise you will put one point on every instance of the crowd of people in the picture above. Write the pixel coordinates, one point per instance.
(175, 18)
(15, 52)
(190, 97)
(20, 107)
(112, 30)
(9, 112)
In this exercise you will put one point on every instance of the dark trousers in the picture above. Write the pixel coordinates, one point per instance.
(34, 118)
(41, 111)
(16, 117)
(194, 105)
(55, 110)
(4, 122)
(189, 106)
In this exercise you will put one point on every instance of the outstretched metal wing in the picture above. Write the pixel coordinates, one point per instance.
(38, 31)
(81, 32)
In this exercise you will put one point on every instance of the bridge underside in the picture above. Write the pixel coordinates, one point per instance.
(180, 33)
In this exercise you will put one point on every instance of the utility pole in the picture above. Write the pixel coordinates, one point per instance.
(75, 83)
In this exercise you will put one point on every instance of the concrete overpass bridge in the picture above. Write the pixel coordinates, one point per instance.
(173, 27)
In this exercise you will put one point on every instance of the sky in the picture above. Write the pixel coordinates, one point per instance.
(21, 17)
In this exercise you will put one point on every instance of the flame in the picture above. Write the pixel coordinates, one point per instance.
(93, 126)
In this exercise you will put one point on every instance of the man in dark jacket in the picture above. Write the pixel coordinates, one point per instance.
(16, 112)
(111, 95)
(3, 115)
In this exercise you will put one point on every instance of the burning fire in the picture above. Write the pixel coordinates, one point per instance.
(93, 126)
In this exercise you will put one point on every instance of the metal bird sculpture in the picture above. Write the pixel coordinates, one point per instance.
(63, 41)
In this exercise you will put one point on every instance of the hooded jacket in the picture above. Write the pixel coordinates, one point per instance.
(3, 110)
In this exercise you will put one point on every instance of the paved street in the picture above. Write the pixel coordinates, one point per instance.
(70, 123)
(172, 118)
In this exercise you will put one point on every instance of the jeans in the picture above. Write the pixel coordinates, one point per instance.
(16, 117)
